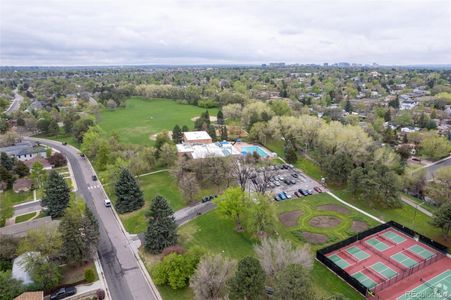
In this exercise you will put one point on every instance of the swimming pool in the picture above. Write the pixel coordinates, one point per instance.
(252, 149)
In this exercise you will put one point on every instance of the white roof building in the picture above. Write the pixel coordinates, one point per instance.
(196, 137)
(197, 151)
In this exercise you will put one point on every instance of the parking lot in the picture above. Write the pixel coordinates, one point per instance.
(284, 179)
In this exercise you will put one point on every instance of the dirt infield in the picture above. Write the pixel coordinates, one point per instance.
(290, 218)
(334, 207)
(314, 238)
(358, 226)
(324, 221)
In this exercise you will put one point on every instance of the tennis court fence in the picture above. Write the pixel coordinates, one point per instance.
(400, 276)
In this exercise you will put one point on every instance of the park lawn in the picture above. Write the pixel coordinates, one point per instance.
(406, 215)
(25, 217)
(155, 184)
(308, 206)
(142, 118)
(217, 235)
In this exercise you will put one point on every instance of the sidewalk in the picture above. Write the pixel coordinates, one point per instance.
(416, 206)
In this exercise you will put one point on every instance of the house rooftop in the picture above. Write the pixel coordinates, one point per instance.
(39, 295)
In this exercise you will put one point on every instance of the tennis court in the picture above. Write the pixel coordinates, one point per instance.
(383, 270)
(338, 261)
(420, 251)
(365, 280)
(358, 253)
(404, 259)
(377, 244)
(435, 288)
(394, 237)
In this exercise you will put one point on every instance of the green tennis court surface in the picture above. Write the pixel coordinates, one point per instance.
(420, 251)
(339, 261)
(357, 253)
(379, 245)
(404, 259)
(435, 288)
(383, 270)
(394, 237)
(365, 280)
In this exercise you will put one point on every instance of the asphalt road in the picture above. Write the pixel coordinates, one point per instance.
(125, 278)
(15, 105)
(432, 168)
(27, 207)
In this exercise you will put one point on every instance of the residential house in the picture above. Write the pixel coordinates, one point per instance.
(25, 150)
(22, 185)
(39, 295)
(407, 104)
(45, 163)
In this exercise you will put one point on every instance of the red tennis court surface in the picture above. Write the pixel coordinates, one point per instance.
(392, 265)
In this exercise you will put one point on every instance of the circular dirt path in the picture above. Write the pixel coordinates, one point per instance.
(334, 207)
(359, 226)
(290, 218)
(314, 238)
(325, 221)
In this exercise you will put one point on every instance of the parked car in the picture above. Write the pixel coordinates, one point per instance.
(277, 183)
(63, 293)
(82, 154)
(292, 181)
(318, 189)
(297, 194)
(310, 192)
(107, 203)
(64, 143)
(94, 178)
(295, 175)
(303, 192)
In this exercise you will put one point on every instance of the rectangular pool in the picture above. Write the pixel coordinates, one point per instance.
(252, 149)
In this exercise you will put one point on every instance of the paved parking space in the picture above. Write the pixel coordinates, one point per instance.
(285, 178)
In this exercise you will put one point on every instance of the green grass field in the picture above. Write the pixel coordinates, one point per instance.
(217, 234)
(25, 217)
(151, 185)
(142, 118)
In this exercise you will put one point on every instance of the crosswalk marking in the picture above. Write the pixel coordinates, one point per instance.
(93, 187)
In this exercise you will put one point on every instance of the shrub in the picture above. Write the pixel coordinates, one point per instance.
(90, 275)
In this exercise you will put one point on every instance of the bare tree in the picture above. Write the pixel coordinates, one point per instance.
(276, 254)
(189, 186)
(260, 182)
(242, 172)
(209, 280)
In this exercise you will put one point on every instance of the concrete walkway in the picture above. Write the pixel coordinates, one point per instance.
(356, 208)
(416, 206)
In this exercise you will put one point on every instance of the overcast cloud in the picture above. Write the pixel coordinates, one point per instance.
(69, 32)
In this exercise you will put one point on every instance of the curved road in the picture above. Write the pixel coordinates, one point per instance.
(15, 105)
(124, 273)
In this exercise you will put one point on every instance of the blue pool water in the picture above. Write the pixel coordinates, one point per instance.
(252, 149)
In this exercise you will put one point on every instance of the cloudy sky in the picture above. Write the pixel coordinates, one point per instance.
(81, 32)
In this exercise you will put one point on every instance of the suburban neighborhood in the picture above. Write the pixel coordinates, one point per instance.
(171, 150)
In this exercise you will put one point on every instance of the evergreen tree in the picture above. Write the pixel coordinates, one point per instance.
(394, 103)
(80, 233)
(128, 195)
(185, 128)
(212, 132)
(206, 117)
(177, 134)
(21, 169)
(249, 280)
(294, 283)
(56, 194)
(387, 116)
(290, 153)
(348, 106)
(224, 134)
(220, 118)
(6, 161)
(162, 230)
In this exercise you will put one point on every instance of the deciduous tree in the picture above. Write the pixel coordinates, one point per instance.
(232, 204)
(249, 280)
(294, 283)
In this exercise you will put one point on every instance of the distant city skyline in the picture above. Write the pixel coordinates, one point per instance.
(88, 33)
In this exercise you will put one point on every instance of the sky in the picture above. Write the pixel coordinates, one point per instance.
(130, 32)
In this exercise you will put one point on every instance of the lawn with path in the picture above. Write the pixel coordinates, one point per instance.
(217, 235)
(155, 184)
(141, 118)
